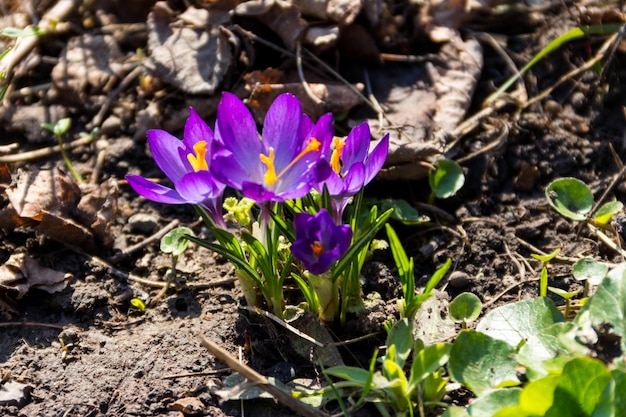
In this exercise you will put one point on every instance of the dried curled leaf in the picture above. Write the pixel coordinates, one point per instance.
(51, 203)
(21, 273)
(191, 58)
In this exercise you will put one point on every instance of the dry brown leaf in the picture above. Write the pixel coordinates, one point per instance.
(423, 102)
(442, 19)
(190, 58)
(341, 11)
(280, 16)
(22, 273)
(187, 406)
(87, 65)
(51, 203)
(336, 98)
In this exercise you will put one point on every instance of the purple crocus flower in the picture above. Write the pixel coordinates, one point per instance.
(281, 164)
(186, 164)
(352, 167)
(319, 241)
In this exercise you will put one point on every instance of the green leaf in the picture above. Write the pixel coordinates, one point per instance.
(606, 212)
(404, 212)
(490, 403)
(359, 376)
(564, 294)
(570, 197)
(589, 269)
(19, 33)
(608, 304)
(546, 258)
(465, 307)
(175, 241)
(446, 179)
(481, 362)
(580, 387)
(517, 322)
(557, 339)
(401, 336)
(427, 361)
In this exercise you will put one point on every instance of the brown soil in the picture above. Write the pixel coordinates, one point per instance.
(85, 351)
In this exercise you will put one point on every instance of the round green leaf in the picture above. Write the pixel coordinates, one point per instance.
(589, 269)
(465, 307)
(570, 197)
(446, 179)
(174, 241)
(607, 211)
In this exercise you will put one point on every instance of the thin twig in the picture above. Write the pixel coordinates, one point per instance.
(44, 152)
(259, 380)
(98, 118)
(32, 324)
(57, 13)
(158, 235)
(283, 323)
(305, 84)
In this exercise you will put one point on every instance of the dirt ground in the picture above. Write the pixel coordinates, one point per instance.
(75, 346)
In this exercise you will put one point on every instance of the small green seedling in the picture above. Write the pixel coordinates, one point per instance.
(567, 296)
(59, 129)
(445, 179)
(390, 388)
(404, 212)
(411, 302)
(573, 199)
(175, 242)
(590, 271)
(543, 279)
(138, 304)
(465, 308)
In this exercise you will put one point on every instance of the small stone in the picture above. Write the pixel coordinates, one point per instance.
(143, 223)
(458, 280)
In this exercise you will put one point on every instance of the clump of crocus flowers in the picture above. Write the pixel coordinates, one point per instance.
(300, 175)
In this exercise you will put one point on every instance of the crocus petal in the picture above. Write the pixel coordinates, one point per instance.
(357, 145)
(258, 192)
(169, 153)
(315, 230)
(376, 160)
(282, 127)
(323, 131)
(354, 179)
(153, 191)
(235, 130)
(196, 130)
(196, 187)
(227, 169)
(334, 184)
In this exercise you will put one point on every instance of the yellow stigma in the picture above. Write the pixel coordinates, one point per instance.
(198, 158)
(270, 176)
(335, 158)
(318, 248)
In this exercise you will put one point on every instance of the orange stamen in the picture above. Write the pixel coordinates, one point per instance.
(318, 248)
(198, 158)
(335, 158)
(271, 177)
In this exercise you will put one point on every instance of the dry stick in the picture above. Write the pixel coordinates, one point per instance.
(32, 324)
(502, 136)
(259, 380)
(283, 323)
(156, 236)
(573, 73)
(305, 84)
(43, 152)
(98, 118)
(26, 44)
